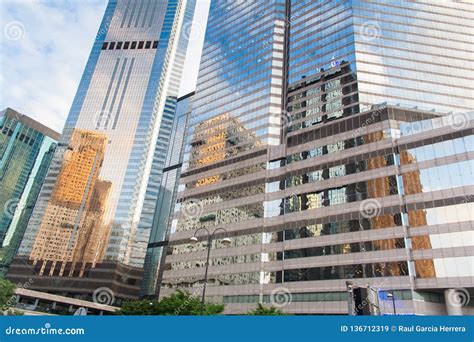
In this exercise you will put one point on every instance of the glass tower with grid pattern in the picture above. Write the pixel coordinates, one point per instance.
(26, 150)
(332, 141)
(167, 197)
(97, 206)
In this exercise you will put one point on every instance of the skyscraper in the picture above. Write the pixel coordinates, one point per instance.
(26, 150)
(414, 54)
(96, 210)
(330, 140)
(167, 197)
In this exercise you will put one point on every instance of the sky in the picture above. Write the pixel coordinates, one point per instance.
(44, 46)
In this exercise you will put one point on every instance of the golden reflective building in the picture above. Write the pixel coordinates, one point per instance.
(216, 139)
(72, 228)
(412, 184)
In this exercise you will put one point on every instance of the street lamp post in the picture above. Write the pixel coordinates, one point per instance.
(392, 295)
(210, 236)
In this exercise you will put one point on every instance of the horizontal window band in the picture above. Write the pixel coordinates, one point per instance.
(132, 45)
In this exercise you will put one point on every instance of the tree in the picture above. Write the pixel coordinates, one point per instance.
(139, 307)
(7, 293)
(264, 311)
(179, 303)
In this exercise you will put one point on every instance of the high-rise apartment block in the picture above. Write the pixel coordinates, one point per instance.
(332, 141)
(95, 213)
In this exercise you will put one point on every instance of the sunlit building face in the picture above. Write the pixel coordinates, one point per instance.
(100, 194)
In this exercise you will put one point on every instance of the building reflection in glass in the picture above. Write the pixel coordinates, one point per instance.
(72, 228)
(215, 140)
(439, 173)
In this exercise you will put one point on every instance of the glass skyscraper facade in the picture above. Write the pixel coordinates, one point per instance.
(156, 250)
(98, 202)
(26, 150)
(332, 141)
(413, 53)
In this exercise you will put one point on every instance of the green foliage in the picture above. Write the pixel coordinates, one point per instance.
(264, 311)
(7, 291)
(179, 303)
(139, 307)
(11, 312)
